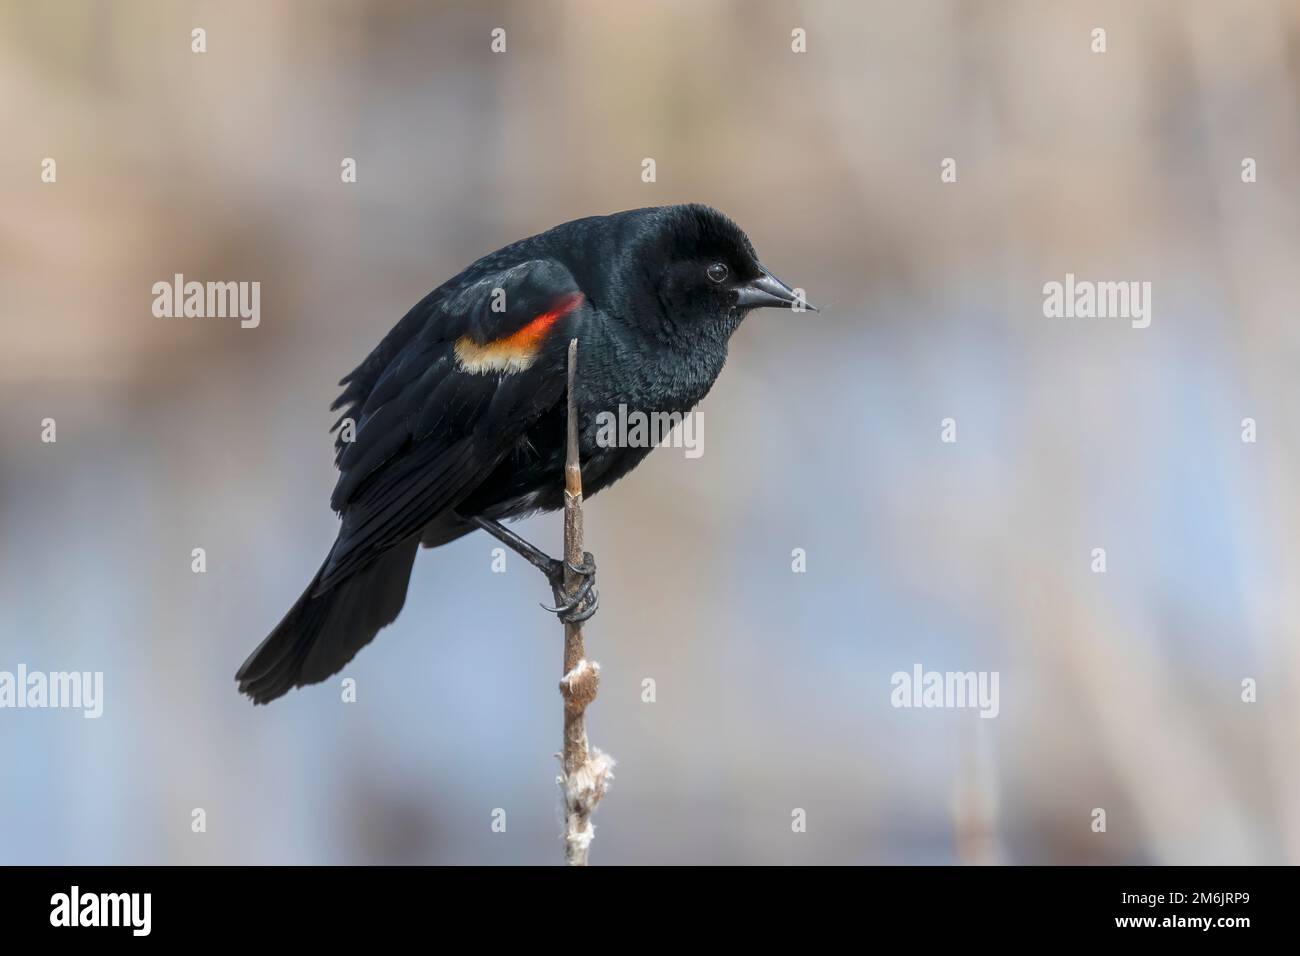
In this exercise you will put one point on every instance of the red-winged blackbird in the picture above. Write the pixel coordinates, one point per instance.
(460, 413)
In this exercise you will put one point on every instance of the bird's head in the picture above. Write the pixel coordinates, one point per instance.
(703, 273)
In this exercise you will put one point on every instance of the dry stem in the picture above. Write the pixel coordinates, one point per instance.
(586, 771)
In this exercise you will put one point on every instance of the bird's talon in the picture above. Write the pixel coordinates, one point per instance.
(587, 568)
(566, 604)
(585, 613)
(581, 605)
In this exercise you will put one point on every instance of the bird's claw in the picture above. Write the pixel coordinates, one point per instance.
(587, 568)
(582, 604)
(580, 615)
(564, 604)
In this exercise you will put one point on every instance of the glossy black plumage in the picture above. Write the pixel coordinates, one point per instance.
(457, 415)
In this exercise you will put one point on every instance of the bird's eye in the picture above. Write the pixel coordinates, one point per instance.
(717, 272)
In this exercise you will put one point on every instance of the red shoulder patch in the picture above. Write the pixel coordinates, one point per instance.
(516, 351)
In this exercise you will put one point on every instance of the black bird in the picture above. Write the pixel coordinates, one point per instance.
(459, 415)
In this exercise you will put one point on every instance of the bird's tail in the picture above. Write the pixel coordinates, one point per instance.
(322, 632)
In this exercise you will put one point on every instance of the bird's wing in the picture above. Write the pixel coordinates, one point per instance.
(443, 399)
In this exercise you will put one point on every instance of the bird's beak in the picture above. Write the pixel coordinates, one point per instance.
(768, 290)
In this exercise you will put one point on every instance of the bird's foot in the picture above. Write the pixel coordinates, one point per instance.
(571, 608)
(582, 603)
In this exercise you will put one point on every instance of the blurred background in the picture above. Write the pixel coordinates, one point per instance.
(1119, 691)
